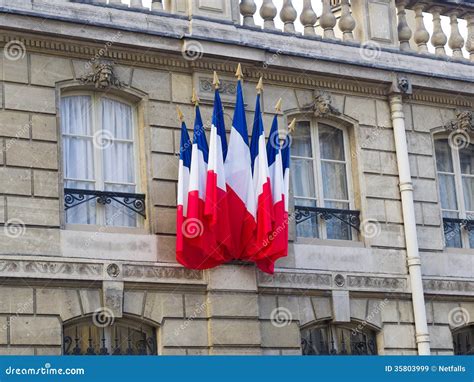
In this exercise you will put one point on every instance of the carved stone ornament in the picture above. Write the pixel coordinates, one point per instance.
(401, 85)
(113, 270)
(322, 105)
(464, 121)
(404, 85)
(102, 76)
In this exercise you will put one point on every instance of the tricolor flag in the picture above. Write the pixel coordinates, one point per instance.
(261, 183)
(278, 240)
(195, 228)
(240, 191)
(216, 208)
(183, 186)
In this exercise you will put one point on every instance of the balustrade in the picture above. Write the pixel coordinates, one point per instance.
(442, 28)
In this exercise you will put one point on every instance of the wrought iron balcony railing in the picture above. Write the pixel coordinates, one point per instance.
(451, 225)
(135, 202)
(348, 217)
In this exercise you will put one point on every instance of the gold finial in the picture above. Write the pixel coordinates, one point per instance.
(216, 81)
(278, 106)
(195, 98)
(180, 114)
(260, 86)
(239, 73)
(292, 126)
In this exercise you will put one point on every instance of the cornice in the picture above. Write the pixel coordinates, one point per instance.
(126, 55)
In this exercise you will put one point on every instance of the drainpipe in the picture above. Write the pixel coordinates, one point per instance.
(409, 222)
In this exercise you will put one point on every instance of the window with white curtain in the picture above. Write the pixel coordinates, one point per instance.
(98, 133)
(455, 168)
(320, 173)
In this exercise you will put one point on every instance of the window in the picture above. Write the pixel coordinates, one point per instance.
(455, 168)
(462, 341)
(328, 339)
(99, 154)
(320, 173)
(110, 337)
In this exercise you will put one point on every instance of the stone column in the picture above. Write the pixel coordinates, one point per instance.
(232, 310)
(409, 222)
(375, 21)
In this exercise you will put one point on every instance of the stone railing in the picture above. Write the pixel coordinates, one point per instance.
(411, 25)
(413, 34)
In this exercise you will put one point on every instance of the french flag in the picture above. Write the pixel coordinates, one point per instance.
(216, 207)
(240, 191)
(261, 183)
(183, 186)
(278, 240)
(195, 229)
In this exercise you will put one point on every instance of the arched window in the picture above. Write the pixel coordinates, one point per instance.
(100, 160)
(330, 339)
(455, 168)
(111, 337)
(321, 180)
(463, 341)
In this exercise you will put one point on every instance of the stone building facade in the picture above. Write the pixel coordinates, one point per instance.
(77, 283)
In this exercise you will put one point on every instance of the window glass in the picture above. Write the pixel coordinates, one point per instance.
(98, 154)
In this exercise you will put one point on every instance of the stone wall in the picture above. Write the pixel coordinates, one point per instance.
(227, 310)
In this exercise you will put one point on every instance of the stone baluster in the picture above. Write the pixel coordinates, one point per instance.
(470, 35)
(157, 5)
(268, 12)
(288, 16)
(438, 38)
(346, 21)
(327, 21)
(308, 18)
(456, 41)
(247, 10)
(404, 31)
(136, 4)
(421, 35)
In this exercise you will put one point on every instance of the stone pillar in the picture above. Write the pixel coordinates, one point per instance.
(409, 222)
(375, 21)
(219, 9)
(232, 309)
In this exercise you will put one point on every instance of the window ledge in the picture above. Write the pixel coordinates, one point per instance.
(329, 243)
(106, 229)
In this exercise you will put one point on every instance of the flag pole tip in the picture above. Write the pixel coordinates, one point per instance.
(216, 81)
(180, 114)
(278, 106)
(195, 98)
(292, 126)
(239, 73)
(260, 86)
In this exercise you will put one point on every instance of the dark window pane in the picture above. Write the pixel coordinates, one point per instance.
(331, 142)
(444, 161)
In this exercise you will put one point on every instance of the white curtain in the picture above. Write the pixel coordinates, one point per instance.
(118, 159)
(78, 154)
